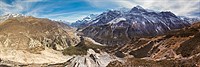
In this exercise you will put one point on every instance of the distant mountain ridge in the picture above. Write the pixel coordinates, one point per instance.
(85, 20)
(135, 10)
(117, 27)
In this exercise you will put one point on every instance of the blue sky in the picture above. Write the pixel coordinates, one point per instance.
(72, 10)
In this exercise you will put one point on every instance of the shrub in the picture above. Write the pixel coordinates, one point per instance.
(74, 51)
(81, 48)
(120, 54)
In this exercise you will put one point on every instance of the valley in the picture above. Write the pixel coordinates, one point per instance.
(135, 37)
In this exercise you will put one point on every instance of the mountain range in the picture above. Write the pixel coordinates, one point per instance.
(118, 27)
(116, 38)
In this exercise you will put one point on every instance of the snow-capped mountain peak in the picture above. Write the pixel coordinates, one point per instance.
(84, 20)
(14, 15)
(137, 9)
(188, 19)
(7, 16)
(136, 14)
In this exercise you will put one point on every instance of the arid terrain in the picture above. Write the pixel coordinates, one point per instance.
(128, 37)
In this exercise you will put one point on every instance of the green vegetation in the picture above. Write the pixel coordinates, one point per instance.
(81, 48)
(120, 54)
(74, 51)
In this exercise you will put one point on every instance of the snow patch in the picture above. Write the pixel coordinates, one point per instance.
(94, 42)
(116, 20)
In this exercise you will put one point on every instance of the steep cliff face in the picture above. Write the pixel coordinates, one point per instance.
(117, 27)
(34, 40)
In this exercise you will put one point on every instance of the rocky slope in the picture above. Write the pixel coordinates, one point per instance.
(117, 27)
(34, 42)
(30, 40)
(176, 48)
(86, 54)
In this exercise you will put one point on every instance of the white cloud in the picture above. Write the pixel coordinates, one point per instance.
(179, 7)
(15, 7)
(25, 7)
(33, 0)
(21, 6)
